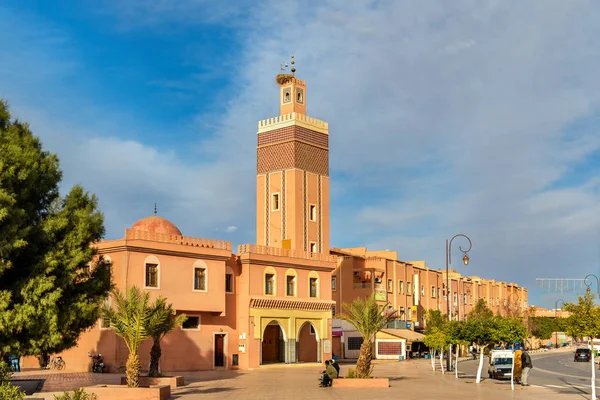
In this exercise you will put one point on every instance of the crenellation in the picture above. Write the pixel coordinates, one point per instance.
(135, 234)
(281, 252)
(265, 123)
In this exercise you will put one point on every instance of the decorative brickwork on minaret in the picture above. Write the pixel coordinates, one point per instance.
(292, 167)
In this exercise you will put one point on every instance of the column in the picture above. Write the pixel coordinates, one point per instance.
(290, 351)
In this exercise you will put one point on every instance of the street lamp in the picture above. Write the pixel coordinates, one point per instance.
(589, 285)
(555, 316)
(448, 288)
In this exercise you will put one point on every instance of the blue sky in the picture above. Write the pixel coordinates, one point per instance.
(445, 117)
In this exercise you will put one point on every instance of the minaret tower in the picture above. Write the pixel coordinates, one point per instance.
(292, 173)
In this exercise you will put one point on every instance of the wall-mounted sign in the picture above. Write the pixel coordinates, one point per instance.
(326, 346)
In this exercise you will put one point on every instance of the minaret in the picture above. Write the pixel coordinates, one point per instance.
(292, 174)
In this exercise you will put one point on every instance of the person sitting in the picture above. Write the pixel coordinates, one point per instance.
(329, 374)
(336, 366)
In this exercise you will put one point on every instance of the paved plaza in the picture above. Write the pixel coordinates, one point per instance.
(408, 380)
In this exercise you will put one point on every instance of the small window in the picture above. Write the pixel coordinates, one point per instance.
(409, 313)
(191, 323)
(470, 299)
(269, 284)
(313, 212)
(390, 286)
(408, 287)
(229, 283)
(199, 278)
(333, 311)
(299, 97)
(275, 201)
(464, 299)
(433, 292)
(400, 287)
(314, 283)
(313, 247)
(151, 275)
(290, 285)
(422, 291)
(333, 283)
(439, 292)
(355, 342)
(455, 298)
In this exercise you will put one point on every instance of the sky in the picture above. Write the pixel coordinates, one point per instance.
(472, 117)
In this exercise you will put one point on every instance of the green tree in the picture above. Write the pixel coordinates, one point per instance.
(368, 318)
(162, 321)
(434, 319)
(584, 322)
(544, 327)
(455, 331)
(129, 320)
(480, 328)
(52, 282)
(437, 340)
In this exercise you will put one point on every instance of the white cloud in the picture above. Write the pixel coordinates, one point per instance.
(231, 229)
(444, 118)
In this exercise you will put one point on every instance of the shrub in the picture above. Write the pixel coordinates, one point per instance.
(5, 372)
(79, 394)
(350, 374)
(10, 392)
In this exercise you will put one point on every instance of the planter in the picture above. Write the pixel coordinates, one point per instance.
(361, 383)
(145, 381)
(119, 392)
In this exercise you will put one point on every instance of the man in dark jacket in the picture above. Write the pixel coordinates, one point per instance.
(527, 365)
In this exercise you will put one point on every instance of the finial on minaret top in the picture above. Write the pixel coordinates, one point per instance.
(154, 208)
(293, 65)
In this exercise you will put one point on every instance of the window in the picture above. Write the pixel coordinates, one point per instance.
(355, 342)
(333, 283)
(390, 285)
(290, 285)
(408, 288)
(433, 292)
(471, 299)
(200, 279)
(422, 291)
(313, 212)
(333, 311)
(409, 313)
(152, 275)
(269, 283)
(439, 294)
(229, 283)
(455, 298)
(464, 299)
(314, 283)
(299, 96)
(313, 247)
(191, 323)
(105, 323)
(275, 204)
(400, 287)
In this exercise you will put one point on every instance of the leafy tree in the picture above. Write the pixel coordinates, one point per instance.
(437, 340)
(510, 330)
(368, 318)
(52, 282)
(544, 327)
(456, 333)
(434, 319)
(162, 321)
(584, 322)
(480, 328)
(129, 320)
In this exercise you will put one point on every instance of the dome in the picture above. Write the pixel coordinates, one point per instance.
(156, 224)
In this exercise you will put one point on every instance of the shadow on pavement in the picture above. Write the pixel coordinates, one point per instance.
(199, 390)
(29, 386)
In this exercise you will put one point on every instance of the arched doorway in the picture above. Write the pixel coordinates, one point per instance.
(273, 344)
(308, 343)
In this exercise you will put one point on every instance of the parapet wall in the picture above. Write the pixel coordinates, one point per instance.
(278, 251)
(134, 234)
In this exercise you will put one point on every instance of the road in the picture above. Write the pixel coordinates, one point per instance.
(554, 371)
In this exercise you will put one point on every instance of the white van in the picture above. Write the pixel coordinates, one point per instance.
(500, 364)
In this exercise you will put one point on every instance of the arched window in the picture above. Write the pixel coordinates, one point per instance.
(270, 281)
(291, 282)
(313, 284)
(200, 276)
(151, 273)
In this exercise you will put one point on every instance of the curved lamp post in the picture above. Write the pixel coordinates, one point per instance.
(465, 260)
(585, 280)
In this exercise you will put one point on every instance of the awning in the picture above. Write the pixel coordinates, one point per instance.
(337, 332)
(407, 334)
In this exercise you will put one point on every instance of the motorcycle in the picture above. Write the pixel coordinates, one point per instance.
(97, 363)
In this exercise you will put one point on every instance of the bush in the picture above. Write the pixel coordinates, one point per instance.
(350, 374)
(79, 394)
(5, 372)
(10, 392)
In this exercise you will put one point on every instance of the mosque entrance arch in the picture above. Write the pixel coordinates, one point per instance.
(273, 344)
(308, 343)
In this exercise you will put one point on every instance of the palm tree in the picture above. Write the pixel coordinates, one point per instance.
(163, 321)
(368, 318)
(129, 319)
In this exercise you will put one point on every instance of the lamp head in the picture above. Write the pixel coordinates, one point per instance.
(466, 259)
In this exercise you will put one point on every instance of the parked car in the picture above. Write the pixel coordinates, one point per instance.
(582, 355)
(500, 364)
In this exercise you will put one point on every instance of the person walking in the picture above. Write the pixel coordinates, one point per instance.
(527, 365)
